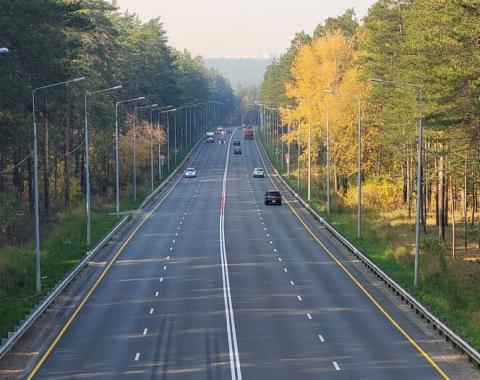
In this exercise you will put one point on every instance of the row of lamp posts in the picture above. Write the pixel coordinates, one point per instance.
(268, 122)
(162, 110)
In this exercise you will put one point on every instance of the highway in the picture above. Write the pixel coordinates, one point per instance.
(216, 285)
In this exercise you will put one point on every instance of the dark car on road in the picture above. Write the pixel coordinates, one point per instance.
(273, 197)
(236, 142)
(237, 150)
(210, 139)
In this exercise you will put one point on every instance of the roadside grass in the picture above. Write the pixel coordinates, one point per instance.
(63, 246)
(450, 288)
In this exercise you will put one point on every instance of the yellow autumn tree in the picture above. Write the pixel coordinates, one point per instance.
(326, 63)
(144, 131)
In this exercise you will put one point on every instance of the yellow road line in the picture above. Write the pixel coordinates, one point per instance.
(85, 299)
(364, 290)
(97, 282)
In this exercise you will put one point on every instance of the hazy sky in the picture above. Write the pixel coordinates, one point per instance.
(239, 27)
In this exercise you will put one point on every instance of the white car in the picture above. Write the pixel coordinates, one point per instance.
(258, 173)
(190, 173)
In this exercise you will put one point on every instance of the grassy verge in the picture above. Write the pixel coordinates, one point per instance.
(62, 249)
(63, 246)
(449, 287)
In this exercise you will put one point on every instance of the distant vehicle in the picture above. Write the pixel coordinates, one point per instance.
(258, 173)
(237, 150)
(210, 134)
(221, 140)
(236, 142)
(243, 125)
(273, 197)
(219, 130)
(249, 126)
(190, 173)
(248, 134)
(229, 130)
(210, 139)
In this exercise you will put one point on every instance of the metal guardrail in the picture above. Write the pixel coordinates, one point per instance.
(38, 311)
(458, 342)
(35, 314)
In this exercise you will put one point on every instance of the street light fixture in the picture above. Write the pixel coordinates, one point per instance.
(117, 164)
(35, 178)
(87, 169)
(419, 91)
(135, 148)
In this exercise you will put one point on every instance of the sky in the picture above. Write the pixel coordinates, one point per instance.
(214, 28)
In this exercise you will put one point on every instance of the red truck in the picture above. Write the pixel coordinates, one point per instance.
(248, 134)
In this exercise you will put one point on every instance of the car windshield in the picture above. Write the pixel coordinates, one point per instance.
(190, 169)
(273, 193)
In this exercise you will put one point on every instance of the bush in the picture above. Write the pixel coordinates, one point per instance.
(378, 194)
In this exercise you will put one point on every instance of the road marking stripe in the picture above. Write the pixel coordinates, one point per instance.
(100, 278)
(235, 369)
(156, 294)
(164, 267)
(137, 356)
(279, 259)
(145, 331)
(309, 316)
(285, 270)
(292, 283)
(336, 366)
(151, 310)
(360, 286)
(321, 338)
(300, 298)
(161, 279)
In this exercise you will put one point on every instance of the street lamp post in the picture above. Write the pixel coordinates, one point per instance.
(167, 111)
(87, 164)
(359, 155)
(419, 92)
(135, 148)
(117, 164)
(35, 178)
(159, 143)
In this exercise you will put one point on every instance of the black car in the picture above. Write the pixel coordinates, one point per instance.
(236, 142)
(273, 197)
(237, 150)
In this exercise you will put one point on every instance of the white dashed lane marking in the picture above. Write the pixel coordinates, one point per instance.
(137, 356)
(145, 331)
(335, 364)
(321, 338)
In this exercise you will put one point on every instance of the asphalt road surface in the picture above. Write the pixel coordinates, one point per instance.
(216, 285)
